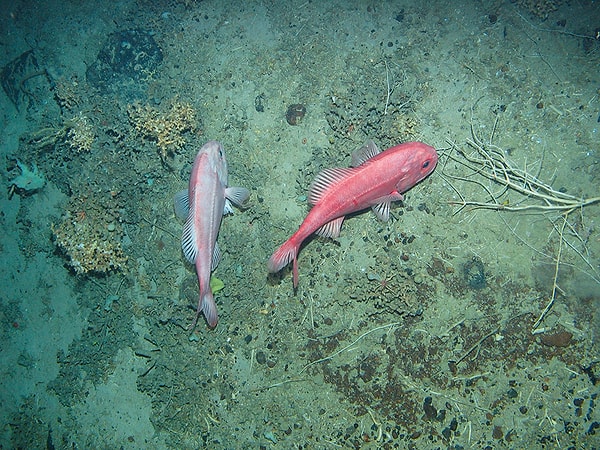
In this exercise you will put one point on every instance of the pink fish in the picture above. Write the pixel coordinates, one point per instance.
(375, 180)
(203, 206)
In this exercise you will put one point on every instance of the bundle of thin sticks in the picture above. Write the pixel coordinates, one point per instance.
(489, 161)
(487, 166)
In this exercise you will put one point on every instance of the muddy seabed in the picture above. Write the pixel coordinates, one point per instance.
(447, 327)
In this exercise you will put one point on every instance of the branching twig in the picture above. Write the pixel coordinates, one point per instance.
(389, 90)
(488, 162)
(555, 287)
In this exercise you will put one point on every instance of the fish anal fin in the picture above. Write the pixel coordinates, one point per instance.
(331, 229)
(216, 257)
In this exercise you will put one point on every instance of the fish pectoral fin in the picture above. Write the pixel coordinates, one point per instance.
(238, 196)
(364, 153)
(331, 229)
(227, 208)
(381, 208)
(382, 211)
(181, 203)
(216, 258)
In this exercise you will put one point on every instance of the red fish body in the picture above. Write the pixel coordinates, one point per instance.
(202, 206)
(375, 180)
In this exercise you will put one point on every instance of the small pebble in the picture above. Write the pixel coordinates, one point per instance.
(261, 358)
(372, 276)
(560, 339)
(270, 436)
(430, 410)
(497, 432)
(453, 424)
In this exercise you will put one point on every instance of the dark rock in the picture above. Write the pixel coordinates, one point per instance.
(126, 60)
(429, 409)
(261, 358)
(295, 113)
(474, 273)
(560, 339)
(497, 432)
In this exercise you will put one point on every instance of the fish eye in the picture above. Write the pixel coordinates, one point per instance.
(425, 164)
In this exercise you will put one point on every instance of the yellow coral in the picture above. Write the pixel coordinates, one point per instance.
(166, 128)
(89, 236)
(80, 136)
(77, 132)
(66, 93)
(404, 125)
(85, 252)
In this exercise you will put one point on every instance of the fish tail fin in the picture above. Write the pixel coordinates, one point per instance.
(288, 252)
(206, 306)
(295, 270)
(209, 309)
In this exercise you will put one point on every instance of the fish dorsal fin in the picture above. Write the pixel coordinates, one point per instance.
(365, 153)
(188, 241)
(216, 257)
(331, 229)
(190, 250)
(325, 180)
(182, 204)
